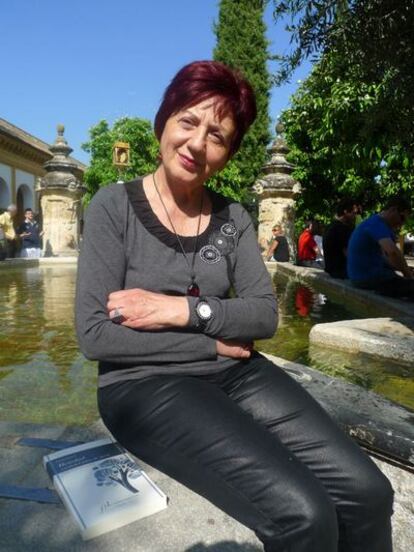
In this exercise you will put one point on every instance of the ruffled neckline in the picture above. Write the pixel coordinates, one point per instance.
(147, 217)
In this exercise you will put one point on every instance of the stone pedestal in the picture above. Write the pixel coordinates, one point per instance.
(61, 192)
(276, 192)
(61, 215)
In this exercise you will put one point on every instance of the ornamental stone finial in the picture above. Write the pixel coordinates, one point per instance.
(277, 171)
(280, 128)
(61, 190)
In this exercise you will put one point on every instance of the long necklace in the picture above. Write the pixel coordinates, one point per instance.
(193, 289)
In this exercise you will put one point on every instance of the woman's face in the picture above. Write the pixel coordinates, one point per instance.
(196, 143)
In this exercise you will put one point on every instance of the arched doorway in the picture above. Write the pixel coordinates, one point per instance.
(24, 200)
(4, 195)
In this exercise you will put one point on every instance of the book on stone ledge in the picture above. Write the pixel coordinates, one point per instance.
(102, 487)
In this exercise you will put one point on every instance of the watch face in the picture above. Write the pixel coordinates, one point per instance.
(204, 311)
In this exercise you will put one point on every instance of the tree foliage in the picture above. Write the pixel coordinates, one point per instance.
(351, 124)
(372, 42)
(242, 44)
(375, 33)
(143, 154)
(343, 141)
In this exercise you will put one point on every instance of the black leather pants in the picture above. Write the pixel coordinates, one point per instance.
(252, 441)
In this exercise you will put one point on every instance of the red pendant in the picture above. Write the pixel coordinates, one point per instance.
(193, 290)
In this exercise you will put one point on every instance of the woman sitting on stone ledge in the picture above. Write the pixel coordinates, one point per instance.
(171, 293)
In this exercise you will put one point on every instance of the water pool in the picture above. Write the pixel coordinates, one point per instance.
(45, 379)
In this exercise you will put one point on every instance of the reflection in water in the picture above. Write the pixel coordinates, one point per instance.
(306, 300)
(43, 376)
(303, 300)
(45, 379)
(300, 307)
(394, 380)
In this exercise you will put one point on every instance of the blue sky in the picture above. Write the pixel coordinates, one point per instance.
(79, 61)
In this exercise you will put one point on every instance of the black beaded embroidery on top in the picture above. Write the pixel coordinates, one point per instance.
(210, 254)
(142, 209)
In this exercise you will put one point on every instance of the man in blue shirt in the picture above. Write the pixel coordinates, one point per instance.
(373, 257)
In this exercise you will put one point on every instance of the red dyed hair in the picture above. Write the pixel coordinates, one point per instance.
(201, 80)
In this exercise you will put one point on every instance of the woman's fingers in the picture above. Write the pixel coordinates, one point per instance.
(146, 310)
(234, 349)
(124, 296)
(116, 315)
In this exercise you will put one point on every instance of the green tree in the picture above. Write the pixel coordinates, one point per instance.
(242, 44)
(143, 154)
(373, 36)
(343, 141)
(351, 124)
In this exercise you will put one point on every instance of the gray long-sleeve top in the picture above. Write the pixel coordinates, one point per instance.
(125, 246)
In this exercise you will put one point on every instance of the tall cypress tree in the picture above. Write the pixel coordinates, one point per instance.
(242, 44)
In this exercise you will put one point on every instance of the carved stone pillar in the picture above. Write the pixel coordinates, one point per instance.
(61, 191)
(276, 191)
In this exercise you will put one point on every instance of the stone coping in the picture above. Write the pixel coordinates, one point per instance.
(344, 292)
(43, 261)
(378, 424)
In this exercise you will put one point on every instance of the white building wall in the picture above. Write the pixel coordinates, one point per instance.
(27, 182)
(5, 192)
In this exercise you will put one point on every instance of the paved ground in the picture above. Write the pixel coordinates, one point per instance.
(189, 524)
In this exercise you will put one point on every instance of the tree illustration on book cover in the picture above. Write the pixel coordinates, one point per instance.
(117, 471)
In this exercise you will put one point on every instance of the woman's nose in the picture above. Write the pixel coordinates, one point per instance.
(197, 140)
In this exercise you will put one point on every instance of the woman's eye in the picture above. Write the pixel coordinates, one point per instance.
(217, 138)
(186, 123)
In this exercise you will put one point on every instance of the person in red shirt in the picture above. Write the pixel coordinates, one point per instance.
(307, 247)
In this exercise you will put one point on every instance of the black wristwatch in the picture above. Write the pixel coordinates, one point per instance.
(203, 311)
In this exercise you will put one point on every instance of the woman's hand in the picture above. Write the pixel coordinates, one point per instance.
(146, 310)
(234, 349)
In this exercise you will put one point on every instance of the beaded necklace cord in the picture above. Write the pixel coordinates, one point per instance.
(193, 289)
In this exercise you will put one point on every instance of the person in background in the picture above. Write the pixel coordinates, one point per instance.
(7, 226)
(320, 259)
(336, 238)
(278, 249)
(3, 245)
(374, 260)
(30, 234)
(359, 213)
(171, 292)
(307, 247)
(409, 244)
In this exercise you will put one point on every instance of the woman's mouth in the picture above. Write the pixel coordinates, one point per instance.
(188, 163)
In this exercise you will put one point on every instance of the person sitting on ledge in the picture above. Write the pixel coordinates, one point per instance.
(336, 238)
(171, 292)
(278, 249)
(373, 256)
(308, 250)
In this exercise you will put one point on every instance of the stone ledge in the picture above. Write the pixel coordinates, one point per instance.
(344, 292)
(375, 422)
(43, 261)
(381, 337)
